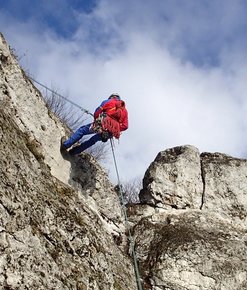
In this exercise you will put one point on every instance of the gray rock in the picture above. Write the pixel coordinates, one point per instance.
(60, 220)
(190, 230)
(191, 249)
(174, 179)
(225, 186)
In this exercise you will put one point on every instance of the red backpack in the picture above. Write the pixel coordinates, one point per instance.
(109, 120)
(111, 125)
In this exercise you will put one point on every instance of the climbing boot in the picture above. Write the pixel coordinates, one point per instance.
(74, 151)
(62, 147)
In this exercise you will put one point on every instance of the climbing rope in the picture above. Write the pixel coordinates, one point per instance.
(59, 95)
(131, 240)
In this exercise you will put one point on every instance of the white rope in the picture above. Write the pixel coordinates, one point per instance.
(59, 95)
(132, 243)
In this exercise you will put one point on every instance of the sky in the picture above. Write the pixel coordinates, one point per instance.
(179, 65)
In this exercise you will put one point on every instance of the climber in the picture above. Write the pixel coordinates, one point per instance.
(110, 118)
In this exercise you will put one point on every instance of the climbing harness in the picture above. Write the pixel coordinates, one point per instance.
(131, 240)
(112, 126)
(106, 125)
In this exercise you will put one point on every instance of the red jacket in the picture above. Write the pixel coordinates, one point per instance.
(115, 109)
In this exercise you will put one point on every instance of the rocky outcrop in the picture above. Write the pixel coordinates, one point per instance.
(191, 249)
(174, 179)
(182, 178)
(191, 231)
(43, 131)
(225, 182)
(60, 219)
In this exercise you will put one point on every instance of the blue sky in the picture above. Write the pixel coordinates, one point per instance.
(56, 15)
(179, 65)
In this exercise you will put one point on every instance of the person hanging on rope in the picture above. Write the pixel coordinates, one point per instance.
(110, 119)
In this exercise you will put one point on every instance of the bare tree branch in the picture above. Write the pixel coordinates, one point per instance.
(131, 189)
(65, 111)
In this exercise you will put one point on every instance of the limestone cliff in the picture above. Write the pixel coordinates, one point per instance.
(61, 224)
(191, 231)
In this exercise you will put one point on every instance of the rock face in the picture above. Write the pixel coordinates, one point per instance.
(191, 232)
(61, 223)
(174, 179)
(60, 219)
(225, 181)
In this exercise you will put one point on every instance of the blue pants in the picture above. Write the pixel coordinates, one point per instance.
(82, 131)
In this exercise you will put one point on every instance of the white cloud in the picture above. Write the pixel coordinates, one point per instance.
(143, 55)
